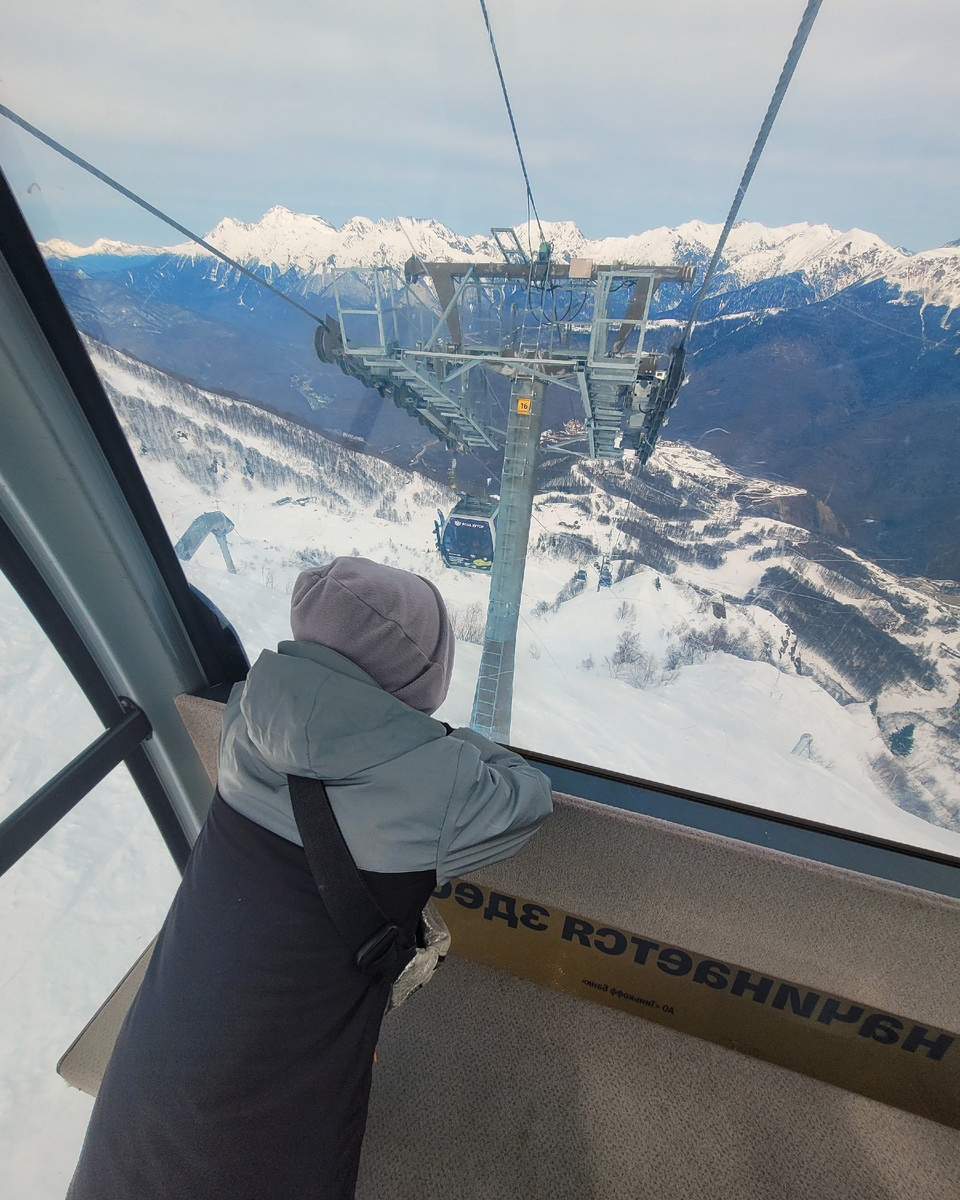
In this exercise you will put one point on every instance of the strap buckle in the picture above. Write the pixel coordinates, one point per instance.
(376, 950)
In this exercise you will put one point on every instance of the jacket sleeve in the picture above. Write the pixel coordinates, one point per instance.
(499, 802)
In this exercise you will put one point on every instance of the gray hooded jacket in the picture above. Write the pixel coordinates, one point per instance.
(406, 796)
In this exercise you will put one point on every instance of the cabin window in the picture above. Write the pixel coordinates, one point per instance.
(760, 615)
(72, 919)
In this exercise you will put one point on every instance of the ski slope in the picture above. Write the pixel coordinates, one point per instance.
(726, 725)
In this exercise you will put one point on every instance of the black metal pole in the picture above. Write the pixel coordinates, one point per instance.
(33, 590)
(27, 824)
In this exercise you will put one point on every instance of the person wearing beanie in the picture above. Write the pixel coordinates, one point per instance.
(243, 1069)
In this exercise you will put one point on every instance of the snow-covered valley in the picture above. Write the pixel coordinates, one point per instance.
(645, 677)
(823, 357)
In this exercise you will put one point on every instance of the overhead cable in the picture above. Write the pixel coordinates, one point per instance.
(799, 41)
(675, 374)
(118, 187)
(513, 124)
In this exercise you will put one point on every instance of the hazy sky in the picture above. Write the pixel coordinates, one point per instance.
(633, 113)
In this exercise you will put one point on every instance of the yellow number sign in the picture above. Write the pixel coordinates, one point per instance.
(523, 405)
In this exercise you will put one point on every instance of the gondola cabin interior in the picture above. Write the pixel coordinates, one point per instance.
(728, 962)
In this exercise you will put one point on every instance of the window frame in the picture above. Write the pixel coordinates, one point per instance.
(127, 728)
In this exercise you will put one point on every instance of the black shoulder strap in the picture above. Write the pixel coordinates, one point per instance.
(375, 941)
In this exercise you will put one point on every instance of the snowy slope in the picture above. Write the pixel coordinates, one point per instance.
(59, 248)
(827, 259)
(932, 276)
(713, 705)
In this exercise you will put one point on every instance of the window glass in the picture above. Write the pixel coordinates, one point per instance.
(75, 911)
(768, 610)
(46, 718)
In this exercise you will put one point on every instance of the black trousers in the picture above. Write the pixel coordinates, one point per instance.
(243, 1068)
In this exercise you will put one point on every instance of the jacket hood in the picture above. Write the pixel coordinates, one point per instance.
(391, 623)
(311, 711)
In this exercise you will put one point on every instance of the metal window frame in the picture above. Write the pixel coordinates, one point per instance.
(89, 556)
(33, 820)
(127, 728)
(19, 250)
(873, 856)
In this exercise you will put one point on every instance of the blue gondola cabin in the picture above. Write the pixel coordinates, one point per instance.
(467, 537)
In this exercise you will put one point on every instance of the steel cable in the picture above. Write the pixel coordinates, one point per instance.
(793, 57)
(786, 75)
(118, 187)
(513, 124)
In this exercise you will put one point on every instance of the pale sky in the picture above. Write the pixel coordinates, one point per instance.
(633, 113)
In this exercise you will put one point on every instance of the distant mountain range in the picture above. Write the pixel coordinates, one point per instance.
(820, 259)
(824, 358)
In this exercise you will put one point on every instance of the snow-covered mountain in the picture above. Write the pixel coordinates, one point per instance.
(931, 276)
(825, 358)
(58, 248)
(826, 259)
(737, 652)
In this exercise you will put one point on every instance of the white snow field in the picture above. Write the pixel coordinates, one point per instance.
(599, 679)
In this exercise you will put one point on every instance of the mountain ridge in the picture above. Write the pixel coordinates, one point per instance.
(825, 358)
(828, 259)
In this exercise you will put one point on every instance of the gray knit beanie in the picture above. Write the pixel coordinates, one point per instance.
(390, 623)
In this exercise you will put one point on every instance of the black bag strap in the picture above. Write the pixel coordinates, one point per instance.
(377, 943)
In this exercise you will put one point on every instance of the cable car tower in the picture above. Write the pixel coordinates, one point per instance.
(578, 325)
(422, 335)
